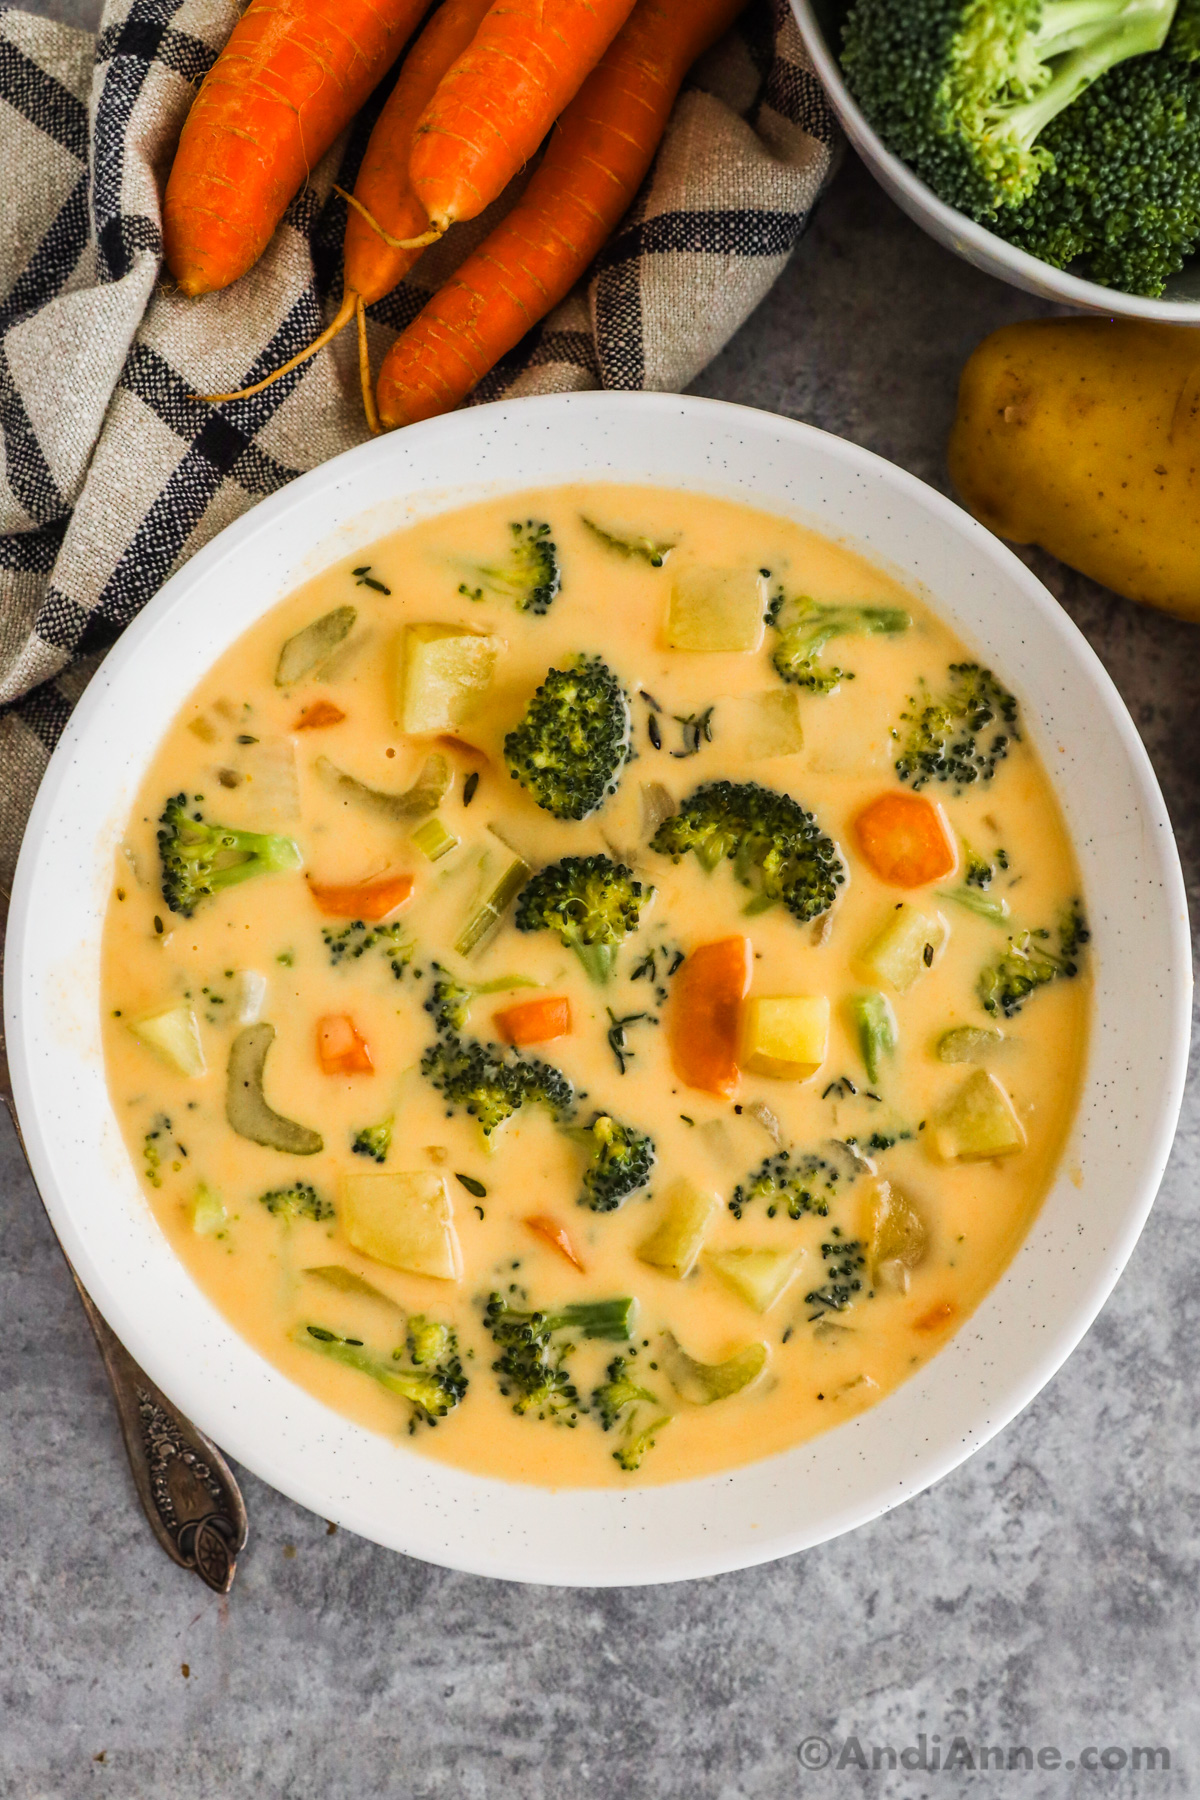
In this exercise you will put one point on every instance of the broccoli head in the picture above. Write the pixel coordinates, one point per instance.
(373, 1140)
(1123, 197)
(805, 627)
(433, 1387)
(794, 1185)
(535, 1347)
(349, 942)
(618, 1394)
(950, 738)
(776, 847)
(845, 1261)
(1030, 962)
(592, 902)
(300, 1201)
(490, 1085)
(201, 859)
(569, 748)
(529, 576)
(963, 89)
(620, 1159)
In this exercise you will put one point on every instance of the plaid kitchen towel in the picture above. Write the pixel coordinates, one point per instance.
(114, 473)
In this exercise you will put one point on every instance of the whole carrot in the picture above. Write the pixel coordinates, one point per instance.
(291, 77)
(527, 61)
(593, 167)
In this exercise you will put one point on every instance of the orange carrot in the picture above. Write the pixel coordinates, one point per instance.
(534, 1021)
(526, 62)
(368, 900)
(705, 1015)
(906, 840)
(317, 715)
(290, 78)
(554, 1234)
(341, 1050)
(594, 164)
(936, 1317)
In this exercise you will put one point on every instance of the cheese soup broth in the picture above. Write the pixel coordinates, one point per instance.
(233, 743)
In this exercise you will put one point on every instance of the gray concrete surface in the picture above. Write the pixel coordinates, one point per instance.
(1043, 1596)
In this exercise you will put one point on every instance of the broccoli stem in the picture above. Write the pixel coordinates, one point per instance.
(423, 1391)
(1090, 37)
(611, 1319)
(599, 960)
(876, 1023)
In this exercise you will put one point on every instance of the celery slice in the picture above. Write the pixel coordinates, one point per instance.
(417, 802)
(304, 653)
(246, 1106)
(702, 1383)
(433, 840)
(488, 913)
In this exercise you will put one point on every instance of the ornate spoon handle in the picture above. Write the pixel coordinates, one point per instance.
(186, 1487)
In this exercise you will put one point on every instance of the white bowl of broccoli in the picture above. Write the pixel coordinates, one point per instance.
(1089, 158)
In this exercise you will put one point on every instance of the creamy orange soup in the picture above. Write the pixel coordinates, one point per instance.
(822, 1188)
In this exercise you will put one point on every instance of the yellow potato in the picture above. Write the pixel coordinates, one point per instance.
(1083, 436)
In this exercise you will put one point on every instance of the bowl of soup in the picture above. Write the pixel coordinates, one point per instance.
(599, 989)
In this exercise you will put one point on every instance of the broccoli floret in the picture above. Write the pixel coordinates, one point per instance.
(805, 627)
(450, 1000)
(152, 1149)
(620, 1159)
(490, 1085)
(569, 748)
(947, 738)
(1123, 197)
(630, 1453)
(777, 849)
(962, 89)
(529, 576)
(978, 872)
(592, 902)
(1029, 963)
(846, 1260)
(618, 1393)
(300, 1201)
(373, 1140)
(354, 940)
(532, 1365)
(200, 859)
(433, 1388)
(792, 1184)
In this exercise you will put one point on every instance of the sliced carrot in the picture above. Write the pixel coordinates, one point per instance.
(368, 900)
(525, 63)
(341, 1049)
(906, 840)
(534, 1021)
(554, 1234)
(291, 77)
(317, 715)
(936, 1317)
(705, 1015)
(595, 161)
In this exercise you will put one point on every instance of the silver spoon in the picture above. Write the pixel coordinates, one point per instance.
(186, 1487)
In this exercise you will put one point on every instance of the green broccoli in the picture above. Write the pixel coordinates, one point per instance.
(532, 1365)
(846, 1260)
(618, 1393)
(963, 89)
(629, 1454)
(592, 902)
(450, 999)
(777, 849)
(978, 872)
(200, 859)
(491, 1085)
(792, 1184)
(945, 740)
(1029, 963)
(620, 1159)
(432, 1388)
(569, 748)
(357, 938)
(1122, 200)
(374, 1140)
(529, 576)
(805, 627)
(300, 1201)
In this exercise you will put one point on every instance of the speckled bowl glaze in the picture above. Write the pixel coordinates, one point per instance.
(1083, 1235)
(1179, 305)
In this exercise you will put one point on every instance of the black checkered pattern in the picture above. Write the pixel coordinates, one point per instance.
(124, 484)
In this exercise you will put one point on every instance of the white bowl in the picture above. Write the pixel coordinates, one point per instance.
(1180, 305)
(1059, 1278)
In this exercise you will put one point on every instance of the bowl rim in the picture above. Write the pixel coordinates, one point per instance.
(971, 240)
(598, 1560)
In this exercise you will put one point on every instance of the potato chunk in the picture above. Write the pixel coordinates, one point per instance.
(404, 1220)
(896, 1234)
(173, 1036)
(675, 1242)
(762, 724)
(717, 609)
(787, 1036)
(977, 1122)
(908, 945)
(757, 1276)
(442, 672)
